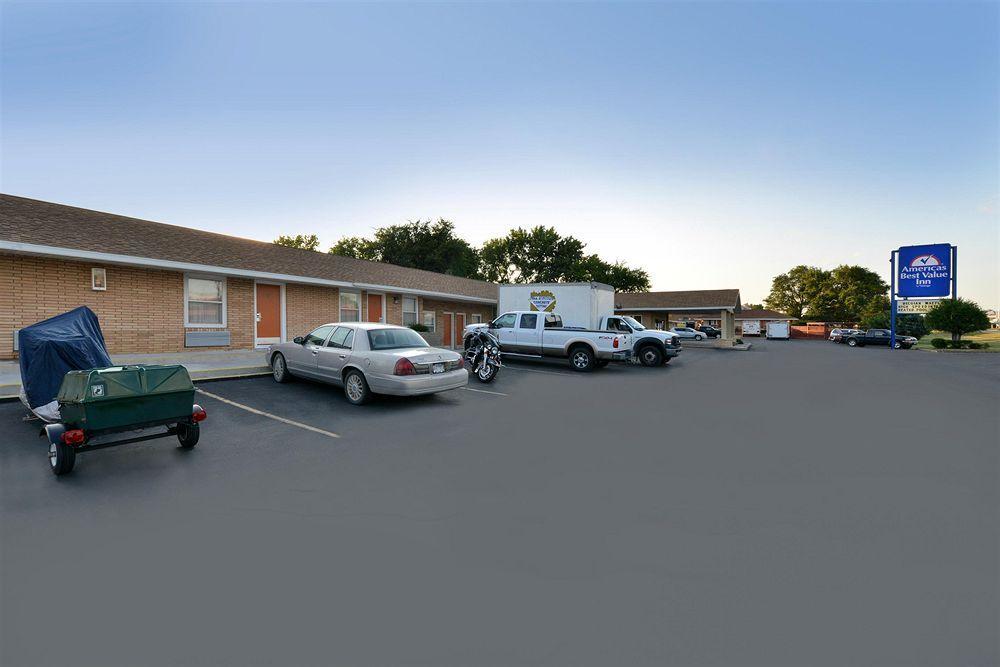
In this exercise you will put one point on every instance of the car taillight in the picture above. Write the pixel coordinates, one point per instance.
(73, 437)
(199, 414)
(615, 343)
(404, 367)
(461, 363)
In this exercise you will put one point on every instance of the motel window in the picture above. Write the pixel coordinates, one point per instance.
(350, 307)
(429, 320)
(409, 310)
(637, 318)
(205, 302)
(477, 318)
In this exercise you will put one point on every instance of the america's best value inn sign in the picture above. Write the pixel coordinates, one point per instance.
(924, 270)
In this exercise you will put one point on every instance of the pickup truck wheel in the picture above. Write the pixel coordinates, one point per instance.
(650, 356)
(188, 434)
(61, 458)
(851, 342)
(581, 359)
(279, 369)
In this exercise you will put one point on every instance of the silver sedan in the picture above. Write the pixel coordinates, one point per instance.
(368, 358)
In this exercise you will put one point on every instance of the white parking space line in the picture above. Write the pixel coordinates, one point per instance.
(483, 391)
(290, 422)
(538, 370)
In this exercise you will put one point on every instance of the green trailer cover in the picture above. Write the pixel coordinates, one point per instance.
(116, 398)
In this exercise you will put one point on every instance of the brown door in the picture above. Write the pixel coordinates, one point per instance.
(269, 311)
(459, 326)
(446, 330)
(374, 307)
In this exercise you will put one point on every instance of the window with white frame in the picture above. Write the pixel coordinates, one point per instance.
(409, 310)
(429, 320)
(204, 301)
(350, 307)
(476, 318)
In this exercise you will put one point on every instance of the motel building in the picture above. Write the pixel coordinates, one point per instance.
(160, 288)
(663, 310)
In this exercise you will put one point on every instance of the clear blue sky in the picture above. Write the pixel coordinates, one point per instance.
(713, 144)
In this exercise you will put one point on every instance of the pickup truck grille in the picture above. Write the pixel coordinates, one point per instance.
(424, 369)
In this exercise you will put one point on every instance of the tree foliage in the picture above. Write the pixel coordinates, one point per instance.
(845, 294)
(432, 246)
(541, 254)
(301, 241)
(958, 317)
(793, 292)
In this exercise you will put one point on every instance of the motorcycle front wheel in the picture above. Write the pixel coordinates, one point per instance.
(486, 372)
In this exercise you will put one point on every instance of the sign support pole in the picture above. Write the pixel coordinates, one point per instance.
(954, 272)
(892, 300)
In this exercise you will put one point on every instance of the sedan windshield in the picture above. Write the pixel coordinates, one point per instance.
(633, 323)
(394, 339)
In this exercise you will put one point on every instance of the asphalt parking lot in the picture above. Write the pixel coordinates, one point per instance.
(802, 503)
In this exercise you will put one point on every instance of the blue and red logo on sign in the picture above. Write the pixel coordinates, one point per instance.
(924, 270)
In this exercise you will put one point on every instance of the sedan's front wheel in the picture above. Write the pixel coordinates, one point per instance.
(851, 342)
(279, 369)
(356, 388)
(699, 337)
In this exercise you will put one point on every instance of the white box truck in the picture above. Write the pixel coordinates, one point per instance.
(580, 304)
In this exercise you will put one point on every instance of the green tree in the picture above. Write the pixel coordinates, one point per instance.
(300, 241)
(541, 254)
(957, 317)
(432, 246)
(847, 293)
(793, 292)
(357, 247)
(623, 278)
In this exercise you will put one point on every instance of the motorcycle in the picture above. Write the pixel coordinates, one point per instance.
(482, 355)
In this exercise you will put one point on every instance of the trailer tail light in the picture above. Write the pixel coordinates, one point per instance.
(199, 414)
(615, 343)
(73, 437)
(404, 367)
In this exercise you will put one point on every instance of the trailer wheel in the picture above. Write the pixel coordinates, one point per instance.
(61, 458)
(650, 356)
(188, 434)
(581, 359)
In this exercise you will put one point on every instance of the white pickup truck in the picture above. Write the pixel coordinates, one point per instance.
(651, 347)
(542, 334)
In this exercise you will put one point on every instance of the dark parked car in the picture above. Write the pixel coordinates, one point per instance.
(879, 337)
(838, 335)
(710, 331)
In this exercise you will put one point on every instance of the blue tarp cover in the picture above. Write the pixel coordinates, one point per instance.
(50, 348)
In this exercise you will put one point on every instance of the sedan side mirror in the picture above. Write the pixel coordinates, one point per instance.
(299, 340)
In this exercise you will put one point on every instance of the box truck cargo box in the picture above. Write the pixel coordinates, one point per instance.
(580, 304)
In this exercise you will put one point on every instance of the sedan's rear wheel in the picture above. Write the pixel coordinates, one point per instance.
(356, 388)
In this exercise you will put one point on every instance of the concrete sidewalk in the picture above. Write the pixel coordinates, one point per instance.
(209, 365)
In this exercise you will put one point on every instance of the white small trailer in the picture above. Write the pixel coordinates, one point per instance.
(779, 330)
(751, 327)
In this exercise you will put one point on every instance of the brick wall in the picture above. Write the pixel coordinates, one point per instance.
(308, 306)
(142, 310)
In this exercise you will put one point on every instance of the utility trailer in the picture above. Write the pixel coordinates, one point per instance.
(101, 402)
